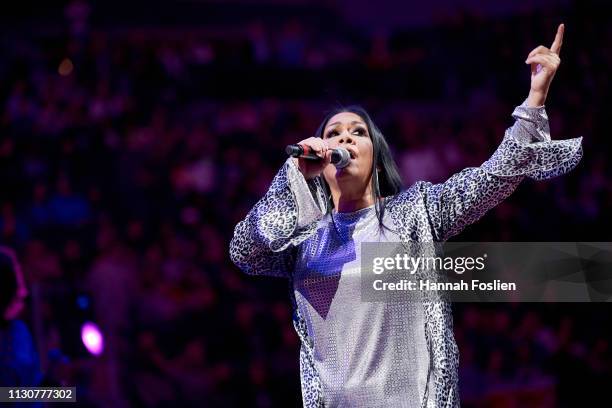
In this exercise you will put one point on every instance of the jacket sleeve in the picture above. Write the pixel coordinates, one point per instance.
(525, 151)
(286, 216)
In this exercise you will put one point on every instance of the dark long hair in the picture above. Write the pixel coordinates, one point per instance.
(386, 182)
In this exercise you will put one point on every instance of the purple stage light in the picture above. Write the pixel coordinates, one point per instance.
(92, 338)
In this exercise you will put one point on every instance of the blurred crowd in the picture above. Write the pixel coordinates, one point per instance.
(128, 155)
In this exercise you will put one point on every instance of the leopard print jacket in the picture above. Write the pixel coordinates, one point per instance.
(265, 242)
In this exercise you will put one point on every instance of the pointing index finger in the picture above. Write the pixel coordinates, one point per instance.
(556, 45)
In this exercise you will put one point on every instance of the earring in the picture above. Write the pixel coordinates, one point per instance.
(376, 175)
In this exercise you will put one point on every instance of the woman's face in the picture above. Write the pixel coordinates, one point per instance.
(348, 130)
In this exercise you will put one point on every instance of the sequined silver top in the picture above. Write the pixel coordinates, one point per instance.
(367, 354)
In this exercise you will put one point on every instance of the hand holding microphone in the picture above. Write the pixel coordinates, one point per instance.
(313, 154)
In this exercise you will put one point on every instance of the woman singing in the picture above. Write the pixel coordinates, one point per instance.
(309, 227)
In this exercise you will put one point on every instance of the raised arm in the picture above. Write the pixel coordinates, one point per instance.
(526, 151)
(263, 242)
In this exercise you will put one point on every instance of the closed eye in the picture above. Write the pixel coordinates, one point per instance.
(358, 131)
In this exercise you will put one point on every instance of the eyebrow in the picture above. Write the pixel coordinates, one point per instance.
(355, 122)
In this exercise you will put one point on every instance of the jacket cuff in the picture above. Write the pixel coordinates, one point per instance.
(538, 160)
(527, 149)
(299, 204)
(308, 196)
(531, 124)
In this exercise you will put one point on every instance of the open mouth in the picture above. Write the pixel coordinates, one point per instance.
(352, 154)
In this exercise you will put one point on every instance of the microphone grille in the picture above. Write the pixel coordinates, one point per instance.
(342, 157)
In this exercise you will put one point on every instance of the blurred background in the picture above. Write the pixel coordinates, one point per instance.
(122, 173)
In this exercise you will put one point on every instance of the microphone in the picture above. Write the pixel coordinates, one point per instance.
(340, 157)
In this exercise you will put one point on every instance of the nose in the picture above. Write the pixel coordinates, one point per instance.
(346, 138)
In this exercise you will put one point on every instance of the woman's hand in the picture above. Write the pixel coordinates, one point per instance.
(312, 168)
(544, 64)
